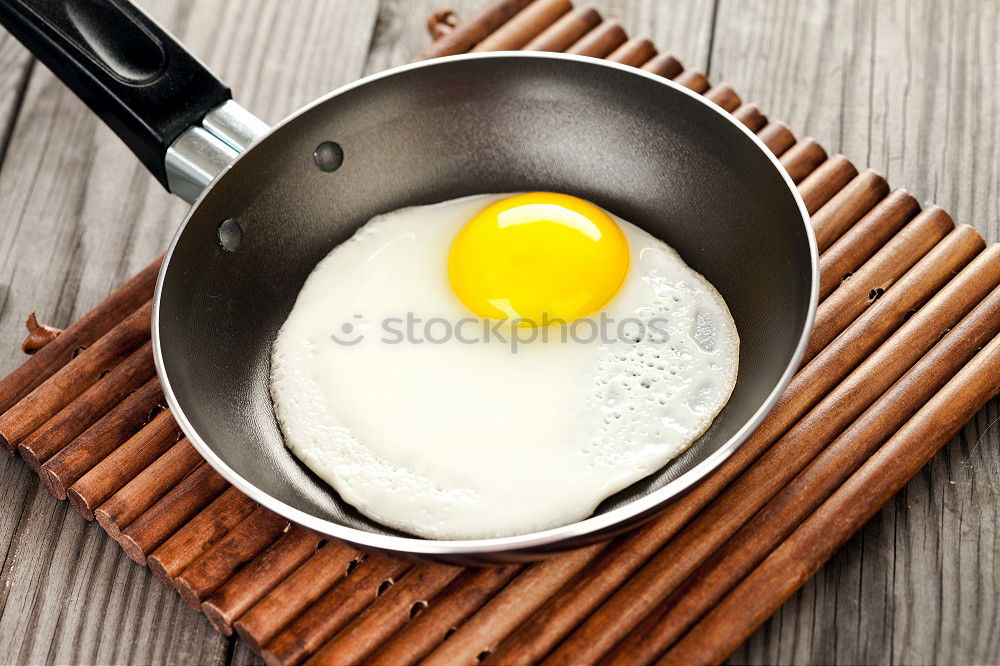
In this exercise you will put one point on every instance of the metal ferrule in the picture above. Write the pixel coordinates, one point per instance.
(201, 152)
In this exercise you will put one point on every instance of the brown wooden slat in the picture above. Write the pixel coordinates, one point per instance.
(123, 464)
(463, 598)
(101, 439)
(724, 96)
(694, 80)
(377, 623)
(634, 52)
(484, 631)
(171, 512)
(560, 35)
(864, 239)
(600, 41)
(825, 181)
(147, 487)
(201, 533)
(843, 211)
(802, 159)
(296, 594)
(259, 577)
(777, 137)
(332, 611)
(751, 116)
(664, 64)
(218, 564)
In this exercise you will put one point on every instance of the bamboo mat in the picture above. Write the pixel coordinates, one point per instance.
(905, 350)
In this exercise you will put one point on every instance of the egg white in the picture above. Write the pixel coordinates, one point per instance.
(462, 440)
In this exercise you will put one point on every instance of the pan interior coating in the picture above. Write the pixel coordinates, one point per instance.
(670, 163)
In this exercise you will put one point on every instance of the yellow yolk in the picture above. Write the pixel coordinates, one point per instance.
(540, 257)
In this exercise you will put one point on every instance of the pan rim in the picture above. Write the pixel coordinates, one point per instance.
(581, 532)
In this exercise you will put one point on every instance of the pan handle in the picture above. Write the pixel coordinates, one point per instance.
(174, 114)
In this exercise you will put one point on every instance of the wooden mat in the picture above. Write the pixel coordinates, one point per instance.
(904, 352)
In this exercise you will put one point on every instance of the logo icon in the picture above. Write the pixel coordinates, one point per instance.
(350, 332)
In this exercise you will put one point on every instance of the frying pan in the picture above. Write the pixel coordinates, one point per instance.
(269, 203)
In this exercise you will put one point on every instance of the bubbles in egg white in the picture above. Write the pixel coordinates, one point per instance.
(471, 440)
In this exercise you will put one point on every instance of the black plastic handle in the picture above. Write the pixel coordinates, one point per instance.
(124, 66)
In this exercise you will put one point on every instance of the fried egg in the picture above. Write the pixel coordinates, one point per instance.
(497, 365)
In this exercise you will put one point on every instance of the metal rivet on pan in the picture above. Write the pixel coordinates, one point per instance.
(230, 235)
(328, 156)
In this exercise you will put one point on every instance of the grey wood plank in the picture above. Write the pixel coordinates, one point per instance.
(905, 87)
(908, 88)
(73, 597)
(16, 65)
(79, 217)
(241, 655)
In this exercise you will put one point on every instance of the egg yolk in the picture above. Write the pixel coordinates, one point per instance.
(540, 257)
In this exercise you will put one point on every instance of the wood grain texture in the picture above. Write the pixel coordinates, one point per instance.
(79, 216)
(16, 65)
(907, 87)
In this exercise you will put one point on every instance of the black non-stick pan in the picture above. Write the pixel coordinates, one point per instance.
(269, 203)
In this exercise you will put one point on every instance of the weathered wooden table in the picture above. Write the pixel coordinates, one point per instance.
(909, 88)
